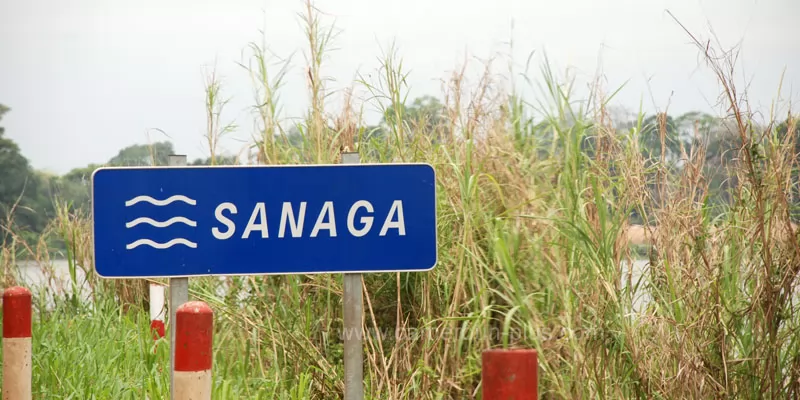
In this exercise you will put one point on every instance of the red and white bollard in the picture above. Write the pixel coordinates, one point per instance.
(17, 351)
(511, 374)
(157, 310)
(194, 326)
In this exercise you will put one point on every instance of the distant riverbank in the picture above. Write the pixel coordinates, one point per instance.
(56, 277)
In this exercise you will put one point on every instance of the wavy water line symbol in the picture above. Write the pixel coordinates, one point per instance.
(169, 200)
(160, 224)
(161, 246)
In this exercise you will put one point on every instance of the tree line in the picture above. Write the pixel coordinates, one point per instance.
(28, 197)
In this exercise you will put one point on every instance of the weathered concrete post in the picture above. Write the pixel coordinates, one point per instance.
(17, 355)
(194, 327)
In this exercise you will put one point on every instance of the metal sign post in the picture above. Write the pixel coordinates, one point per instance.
(353, 312)
(178, 294)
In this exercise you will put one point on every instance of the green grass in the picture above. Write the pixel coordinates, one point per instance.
(532, 229)
(99, 355)
(106, 354)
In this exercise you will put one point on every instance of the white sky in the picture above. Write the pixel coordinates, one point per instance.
(86, 77)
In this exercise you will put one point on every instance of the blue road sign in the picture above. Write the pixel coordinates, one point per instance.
(244, 220)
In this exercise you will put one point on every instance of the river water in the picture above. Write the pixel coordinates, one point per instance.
(56, 278)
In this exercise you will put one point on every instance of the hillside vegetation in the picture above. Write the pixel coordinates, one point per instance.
(535, 201)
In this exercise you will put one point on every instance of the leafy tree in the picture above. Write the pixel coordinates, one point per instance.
(425, 115)
(787, 135)
(143, 155)
(680, 133)
(22, 191)
(13, 167)
(294, 137)
(652, 128)
(81, 175)
(218, 160)
(74, 187)
(783, 134)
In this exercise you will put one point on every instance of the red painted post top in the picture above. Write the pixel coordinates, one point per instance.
(17, 312)
(157, 328)
(510, 374)
(194, 325)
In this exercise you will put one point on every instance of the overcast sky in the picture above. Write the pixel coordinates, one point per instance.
(86, 77)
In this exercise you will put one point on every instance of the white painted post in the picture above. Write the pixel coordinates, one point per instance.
(194, 324)
(353, 311)
(157, 301)
(17, 355)
(178, 295)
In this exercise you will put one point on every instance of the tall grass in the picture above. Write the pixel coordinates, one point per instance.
(534, 209)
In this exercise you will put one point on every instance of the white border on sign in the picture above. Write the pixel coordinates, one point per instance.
(166, 167)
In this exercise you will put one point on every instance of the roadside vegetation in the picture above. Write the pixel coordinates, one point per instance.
(537, 198)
